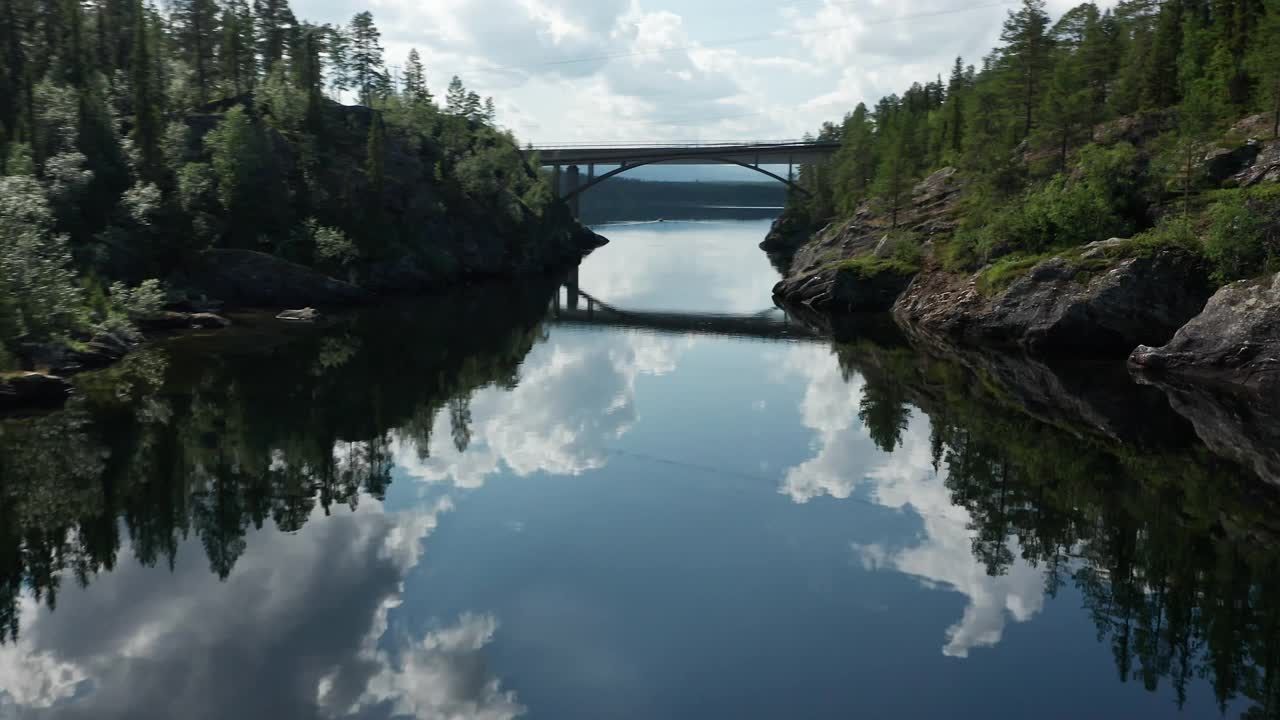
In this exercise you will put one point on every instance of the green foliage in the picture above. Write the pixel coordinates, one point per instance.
(39, 295)
(244, 175)
(1243, 238)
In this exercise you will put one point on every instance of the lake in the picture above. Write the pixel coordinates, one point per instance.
(649, 494)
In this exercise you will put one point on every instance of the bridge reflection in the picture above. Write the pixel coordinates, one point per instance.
(572, 306)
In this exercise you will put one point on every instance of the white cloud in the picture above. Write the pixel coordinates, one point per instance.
(846, 460)
(299, 629)
(577, 395)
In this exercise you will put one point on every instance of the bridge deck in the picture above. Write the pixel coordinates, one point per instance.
(781, 153)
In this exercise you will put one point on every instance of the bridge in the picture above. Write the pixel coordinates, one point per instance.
(581, 308)
(567, 161)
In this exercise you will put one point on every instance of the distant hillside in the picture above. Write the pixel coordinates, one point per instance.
(625, 199)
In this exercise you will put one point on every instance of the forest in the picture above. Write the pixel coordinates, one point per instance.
(131, 139)
(1099, 124)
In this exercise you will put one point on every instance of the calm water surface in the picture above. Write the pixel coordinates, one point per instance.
(648, 496)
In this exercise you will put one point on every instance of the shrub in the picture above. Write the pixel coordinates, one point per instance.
(39, 297)
(1243, 238)
(331, 244)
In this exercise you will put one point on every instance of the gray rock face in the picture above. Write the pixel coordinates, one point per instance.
(248, 278)
(33, 391)
(843, 291)
(1064, 305)
(1236, 339)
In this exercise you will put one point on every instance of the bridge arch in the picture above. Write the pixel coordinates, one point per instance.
(669, 158)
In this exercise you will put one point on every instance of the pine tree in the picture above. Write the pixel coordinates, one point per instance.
(1067, 108)
(456, 98)
(955, 108)
(12, 71)
(415, 80)
(1026, 56)
(1195, 120)
(375, 166)
(1264, 61)
(365, 58)
(275, 26)
(72, 55)
(472, 107)
(490, 111)
(1160, 83)
(146, 121)
(235, 52)
(195, 29)
(309, 75)
(1097, 57)
(1235, 21)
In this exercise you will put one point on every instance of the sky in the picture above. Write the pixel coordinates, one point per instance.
(610, 71)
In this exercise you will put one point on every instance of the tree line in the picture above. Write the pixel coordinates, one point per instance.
(1030, 118)
(131, 137)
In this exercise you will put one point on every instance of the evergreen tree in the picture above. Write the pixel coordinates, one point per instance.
(955, 108)
(1067, 107)
(1026, 56)
(275, 28)
(472, 107)
(195, 32)
(376, 166)
(456, 98)
(146, 110)
(415, 79)
(364, 61)
(236, 53)
(309, 75)
(72, 55)
(490, 111)
(893, 176)
(1264, 61)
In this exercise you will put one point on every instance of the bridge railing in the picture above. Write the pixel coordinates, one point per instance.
(686, 146)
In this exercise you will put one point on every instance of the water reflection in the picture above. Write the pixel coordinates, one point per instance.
(300, 519)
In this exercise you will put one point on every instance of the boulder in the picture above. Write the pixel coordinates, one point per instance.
(1220, 164)
(1065, 304)
(33, 391)
(1236, 339)
(253, 279)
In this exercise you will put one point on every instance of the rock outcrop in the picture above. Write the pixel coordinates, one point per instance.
(33, 391)
(1236, 339)
(252, 279)
(845, 290)
(1081, 303)
(931, 213)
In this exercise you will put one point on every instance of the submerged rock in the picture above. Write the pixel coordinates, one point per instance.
(1077, 304)
(181, 321)
(33, 391)
(303, 315)
(249, 278)
(1236, 339)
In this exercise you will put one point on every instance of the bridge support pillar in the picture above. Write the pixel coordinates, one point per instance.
(571, 286)
(575, 182)
(555, 182)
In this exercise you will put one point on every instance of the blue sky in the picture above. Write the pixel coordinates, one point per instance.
(565, 71)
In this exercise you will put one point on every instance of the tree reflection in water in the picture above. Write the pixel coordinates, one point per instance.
(1095, 483)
